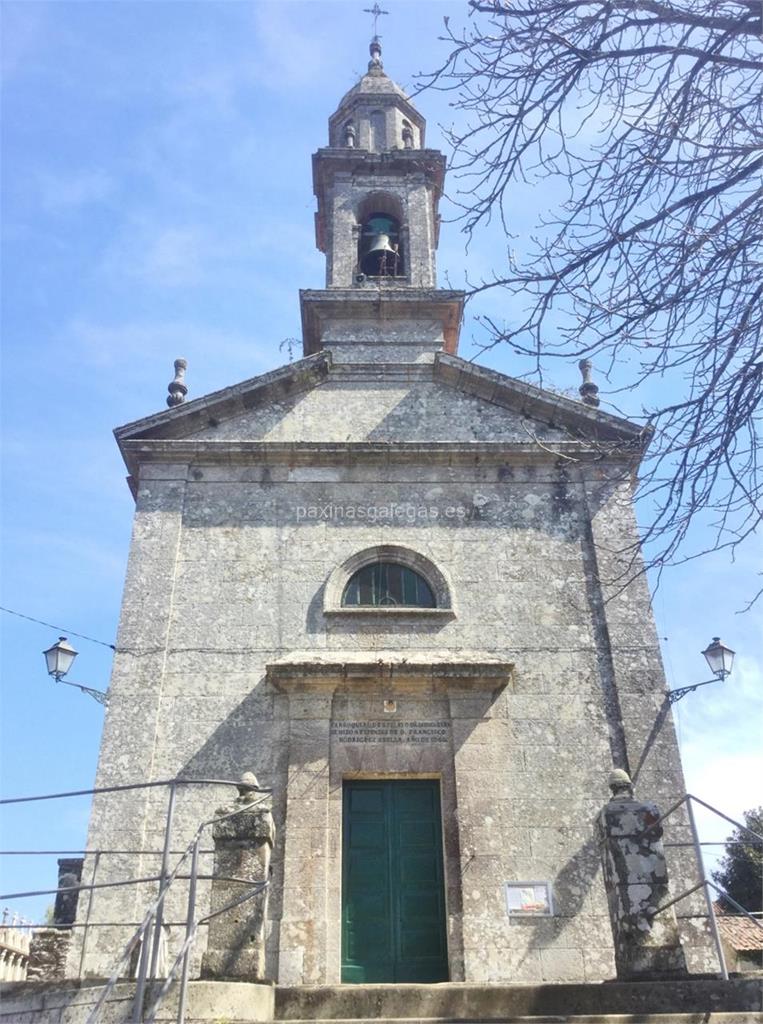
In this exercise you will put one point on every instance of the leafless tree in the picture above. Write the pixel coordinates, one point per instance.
(649, 114)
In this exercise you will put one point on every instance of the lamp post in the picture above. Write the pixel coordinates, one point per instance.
(720, 659)
(59, 659)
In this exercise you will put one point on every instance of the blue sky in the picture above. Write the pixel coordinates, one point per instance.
(157, 202)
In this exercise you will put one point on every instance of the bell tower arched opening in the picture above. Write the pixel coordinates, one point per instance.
(380, 236)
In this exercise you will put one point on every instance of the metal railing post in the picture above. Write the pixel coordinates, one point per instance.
(140, 983)
(189, 927)
(706, 890)
(163, 880)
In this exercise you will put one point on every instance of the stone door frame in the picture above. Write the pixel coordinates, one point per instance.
(335, 713)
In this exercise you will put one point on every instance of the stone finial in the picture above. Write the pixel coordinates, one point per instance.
(375, 50)
(588, 390)
(248, 787)
(620, 784)
(177, 388)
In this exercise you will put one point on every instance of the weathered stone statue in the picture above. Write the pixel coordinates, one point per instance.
(243, 845)
(636, 879)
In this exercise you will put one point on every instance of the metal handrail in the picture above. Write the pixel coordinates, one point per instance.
(154, 915)
(705, 883)
(107, 885)
(179, 781)
(150, 949)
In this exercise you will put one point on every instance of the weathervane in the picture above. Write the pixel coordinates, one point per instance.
(375, 11)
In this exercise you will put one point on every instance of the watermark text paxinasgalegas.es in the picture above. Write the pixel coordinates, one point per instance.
(391, 512)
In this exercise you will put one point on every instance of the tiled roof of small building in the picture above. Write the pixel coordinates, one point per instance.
(739, 931)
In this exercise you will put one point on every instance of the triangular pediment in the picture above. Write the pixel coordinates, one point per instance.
(447, 401)
(568, 418)
(268, 391)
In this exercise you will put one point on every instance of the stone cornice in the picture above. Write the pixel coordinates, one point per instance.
(359, 675)
(329, 161)
(347, 453)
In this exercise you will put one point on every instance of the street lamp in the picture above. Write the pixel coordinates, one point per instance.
(720, 659)
(59, 659)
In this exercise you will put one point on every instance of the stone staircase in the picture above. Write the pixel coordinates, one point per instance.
(688, 1001)
(694, 1001)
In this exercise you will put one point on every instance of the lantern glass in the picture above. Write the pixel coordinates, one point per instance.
(59, 658)
(719, 658)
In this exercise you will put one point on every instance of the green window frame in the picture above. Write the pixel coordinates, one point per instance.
(388, 584)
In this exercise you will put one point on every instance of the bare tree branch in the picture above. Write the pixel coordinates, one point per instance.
(649, 114)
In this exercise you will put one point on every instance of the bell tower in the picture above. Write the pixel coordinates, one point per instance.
(378, 189)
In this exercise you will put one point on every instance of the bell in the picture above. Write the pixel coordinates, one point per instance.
(381, 257)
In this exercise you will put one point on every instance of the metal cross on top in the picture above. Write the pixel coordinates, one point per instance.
(375, 11)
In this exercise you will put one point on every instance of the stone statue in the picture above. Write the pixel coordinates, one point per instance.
(636, 879)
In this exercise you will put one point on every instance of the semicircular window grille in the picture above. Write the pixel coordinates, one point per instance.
(388, 584)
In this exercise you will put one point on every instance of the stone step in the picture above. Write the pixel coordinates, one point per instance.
(739, 1017)
(739, 1001)
(497, 1003)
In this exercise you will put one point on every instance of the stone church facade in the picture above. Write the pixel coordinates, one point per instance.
(391, 584)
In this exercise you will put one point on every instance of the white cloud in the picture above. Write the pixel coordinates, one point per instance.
(730, 783)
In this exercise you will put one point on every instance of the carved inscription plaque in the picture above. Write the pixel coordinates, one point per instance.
(391, 732)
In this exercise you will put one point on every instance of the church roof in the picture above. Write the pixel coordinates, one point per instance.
(375, 82)
(376, 85)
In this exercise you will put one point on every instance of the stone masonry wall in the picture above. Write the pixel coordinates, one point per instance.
(226, 576)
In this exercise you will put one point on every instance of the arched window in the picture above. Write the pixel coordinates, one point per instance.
(383, 584)
(379, 252)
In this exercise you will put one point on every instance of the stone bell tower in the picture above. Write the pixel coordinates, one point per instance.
(378, 191)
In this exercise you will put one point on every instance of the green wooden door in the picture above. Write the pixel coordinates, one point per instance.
(393, 895)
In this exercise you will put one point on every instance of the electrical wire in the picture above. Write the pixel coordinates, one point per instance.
(61, 629)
